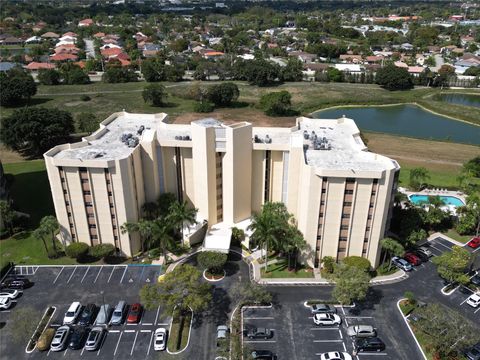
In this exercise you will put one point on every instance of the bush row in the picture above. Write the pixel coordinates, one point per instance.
(79, 250)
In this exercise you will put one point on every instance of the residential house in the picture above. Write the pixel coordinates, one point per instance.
(50, 35)
(85, 23)
(303, 56)
(64, 57)
(11, 41)
(35, 66)
(351, 59)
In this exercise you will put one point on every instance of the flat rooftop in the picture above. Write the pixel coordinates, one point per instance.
(106, 143)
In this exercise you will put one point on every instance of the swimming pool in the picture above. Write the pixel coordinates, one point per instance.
(448, 200)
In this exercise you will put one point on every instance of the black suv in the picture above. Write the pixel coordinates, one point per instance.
(78, 338)
(87, 316)
(369, 344)
(259, 333)
(17, 283)
(263, 354)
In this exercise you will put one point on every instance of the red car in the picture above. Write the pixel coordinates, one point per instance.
(134, 314)
(412, 259)
(474, 243)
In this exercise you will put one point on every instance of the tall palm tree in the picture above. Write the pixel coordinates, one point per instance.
(293, 244)
(181, 214)
(151, 211)
(161, 235)
(392, 247)
(144, 227)
(49, 225)
(40, 234)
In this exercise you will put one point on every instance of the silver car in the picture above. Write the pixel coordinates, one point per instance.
(59, 341)
(95, 338)
(119, 313)
(361, 331)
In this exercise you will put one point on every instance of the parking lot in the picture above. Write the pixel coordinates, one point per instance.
(295, 336)
(59, 286)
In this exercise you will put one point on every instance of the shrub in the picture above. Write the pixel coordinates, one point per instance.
(358, 262)
(238, 235)
(212, 261)
(85, 98)
(87, 122)
(276, 103)
(77, 250)
(410, 296)
(48, 77)
(155, 94)
(102, 250)
(203, 107)
(223, 94)
(328, 264)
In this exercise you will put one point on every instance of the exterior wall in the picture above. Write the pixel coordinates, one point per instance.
(258, 179)
(188, 176)
(276, 175)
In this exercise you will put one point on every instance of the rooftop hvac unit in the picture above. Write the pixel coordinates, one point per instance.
(305, 135)
(125, 136)
(140, 130)
(132, 142)
(268, 139)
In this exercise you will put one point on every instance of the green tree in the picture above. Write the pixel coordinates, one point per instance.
(435, 217)
(33, 131)
(469, 215)
(73, 75)
(48, 227)
(155, 69)
(358, 262)
(351, 284)
(180, 288)
(145, 228)
(180, 214)
(213, 261)
(472, 167)
(223, 94)
(87, 122)
(77, 250)
(391, 247)
(250, 293)
(17, 87)
(49, 77)
(119, 75)
(258, 72)
(444, 75)
(26, 320)
(179, 45)
(155, 94)
(417, 177)
(293, 71)
(416, 236)
(293, 244)
(335, 75)
(392, 77)
(328, 263)
(451, 265)
(276, 103)
(7, 216)
(101, 251)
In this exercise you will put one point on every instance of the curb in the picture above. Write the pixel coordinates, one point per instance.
(449, 292)
(213, 280)
(189, 335)
(409, 328)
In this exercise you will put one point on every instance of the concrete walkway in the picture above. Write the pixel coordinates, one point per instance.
(445, 237)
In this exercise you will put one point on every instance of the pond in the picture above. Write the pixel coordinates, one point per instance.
(460, 99)
(406, 120)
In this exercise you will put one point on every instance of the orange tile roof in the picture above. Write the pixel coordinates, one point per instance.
(63, 57)
(39, 65)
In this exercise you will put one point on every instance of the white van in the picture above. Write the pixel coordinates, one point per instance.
(72, 313)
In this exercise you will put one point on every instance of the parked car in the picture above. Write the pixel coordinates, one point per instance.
(323, 308)
(17, 283)
(95, 338)
(160, 339)
(103, 315)
(474, 243)
(425, 251)
(10, 293)
(263, 354)
(59, 341)
(335, 355)
(326, 319)
(87, 316)
(72, 313)
(259, 333)
(222, 333)
(474, 300)
(475, 280)
(361, 331)
(134, 314)
(422, 256)
(78, 338)
(369, 344)
(44, 341)
(412, 258)
(401, 263)
(5, 303)
(119, 313)
(474, 352)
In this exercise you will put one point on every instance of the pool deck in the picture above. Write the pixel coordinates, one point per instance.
(439, 192)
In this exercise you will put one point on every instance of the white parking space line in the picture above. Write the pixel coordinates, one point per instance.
(86, 272)
(474, 251)
(156, 316)
(359, 317)
(163, 324)
(83, 349)
(341, 335)
(145, 331)
(259, 341)
(327, 341)
(126, 267)
(371, 353)
(445, 246)
(433, 247)
(99, 271)
(65, 352)
(326, 328)
(344, 347)
(259, 318)
(113, 331)
(150, 344)
(476, 310)
(118, 342)
(71, 275)
(54, 281)
(111, 274)
(134, 341)
(129, 331)
(147, 324)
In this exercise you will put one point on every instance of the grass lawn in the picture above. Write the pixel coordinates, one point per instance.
(423, 341)
(24, 249)
(456, 236)
(30, 189)
(280, 270)
(179, 331)
(406, 307)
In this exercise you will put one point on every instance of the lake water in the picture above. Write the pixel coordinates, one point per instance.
(406, 120)
(460, 99)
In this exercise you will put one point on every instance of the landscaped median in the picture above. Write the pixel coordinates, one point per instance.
(42, 325)
(180, 328)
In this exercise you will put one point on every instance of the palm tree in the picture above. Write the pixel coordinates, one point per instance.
(161, 235)
(392, 247)
(144, 228)
(181, 214)
(40, 234)
(418, 176)
(49, 225)
(151, 211)
(293, 244)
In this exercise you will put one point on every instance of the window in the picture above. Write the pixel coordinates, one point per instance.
(350, 180)
(113, 216)
(375, 181)
(321, 214)
(368, 228)
(115, 238)
(371, 205)
(82, 169)
(67, 203)
(324, 191)
(108, 182)
(345, 216)
(111, 205)
(87, 192)
(88, 204)
(319, 237)
(62, 179)
(65, 192)
(73, 236)
(114, 226)
(347, 203)
(69, 214)
(348, 192)
(322, 202)
(92, 226)
(84, 181)
(369, 217)
(71, 225)
(365, 240)
(344, 227)
(109, 193)
(93, 237)
(342, 238)
(374, 192)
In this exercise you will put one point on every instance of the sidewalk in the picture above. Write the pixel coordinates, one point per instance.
(445, 237)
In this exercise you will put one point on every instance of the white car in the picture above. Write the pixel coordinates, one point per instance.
(160, 339)
(5, 303)
(10, 293)
(474, 300)
(326, 319)
(335, 355)
(59, 341)
(72, 313)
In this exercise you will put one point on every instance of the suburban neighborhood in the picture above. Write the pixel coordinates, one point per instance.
(187, 179)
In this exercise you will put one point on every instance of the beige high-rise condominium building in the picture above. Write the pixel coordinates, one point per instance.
(340, 194)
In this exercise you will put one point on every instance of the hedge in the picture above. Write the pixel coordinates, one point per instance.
(102, 250)
(77, 250)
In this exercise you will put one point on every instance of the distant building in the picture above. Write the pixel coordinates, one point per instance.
(85, 23)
